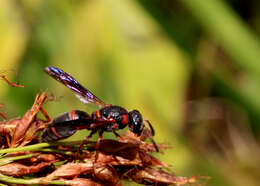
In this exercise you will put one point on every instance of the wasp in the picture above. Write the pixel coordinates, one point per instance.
(109, 118)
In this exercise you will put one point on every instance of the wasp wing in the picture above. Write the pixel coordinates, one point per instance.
(82, 93)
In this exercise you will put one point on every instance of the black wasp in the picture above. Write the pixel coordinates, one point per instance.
(108, 118)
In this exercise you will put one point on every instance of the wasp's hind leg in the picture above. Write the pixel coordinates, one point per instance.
(86, 139)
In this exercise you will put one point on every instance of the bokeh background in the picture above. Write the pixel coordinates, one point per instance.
(190, 66)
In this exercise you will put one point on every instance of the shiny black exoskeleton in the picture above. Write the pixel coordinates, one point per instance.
(65, 125)
(109, 118)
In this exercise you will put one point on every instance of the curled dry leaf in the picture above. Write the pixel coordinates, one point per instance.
(17, 169)
(27, 120)
(36, 157)
(81, 182)
(150, 176)
(71, 170)
(7, 129)
(22, 131)
(35, 126)
(43, 158)
(107, 174)
(122, 153)
(131, 138)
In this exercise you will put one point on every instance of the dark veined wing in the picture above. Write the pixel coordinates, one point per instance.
(82, 93)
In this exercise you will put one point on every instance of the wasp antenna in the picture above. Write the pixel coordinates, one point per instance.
(154, 144)
(151, 127)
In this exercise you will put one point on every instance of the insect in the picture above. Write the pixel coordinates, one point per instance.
(109, 118)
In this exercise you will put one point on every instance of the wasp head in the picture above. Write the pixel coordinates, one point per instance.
(136, 123)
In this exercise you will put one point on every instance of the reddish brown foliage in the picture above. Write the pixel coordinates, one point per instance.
(21, 131)
(17, 169)
(130, 158)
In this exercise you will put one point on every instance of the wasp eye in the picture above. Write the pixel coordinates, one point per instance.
(136, 124)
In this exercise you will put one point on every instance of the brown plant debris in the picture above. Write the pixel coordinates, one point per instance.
(129, 158)
(2, 114)
(2, 76)
(28, 124)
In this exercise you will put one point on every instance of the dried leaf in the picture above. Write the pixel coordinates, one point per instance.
(115, 160)
(131, 138)
(43, 158)
(112, 161)
(27, 120)
(81, 182)
(107, 174)
(71, 170)
(34, 127)
(36, 156)
(17, 169)
(8, 127)
(149, 175)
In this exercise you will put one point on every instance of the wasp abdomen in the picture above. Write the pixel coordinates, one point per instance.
(66, 125)
(58, 131)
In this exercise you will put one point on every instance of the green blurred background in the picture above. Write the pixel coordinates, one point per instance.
(190, 66)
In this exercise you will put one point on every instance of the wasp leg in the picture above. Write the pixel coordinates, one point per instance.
(83, 142)
(154, 144)
(100, 137)
(151, 127)
(87, 138)
(117, 135)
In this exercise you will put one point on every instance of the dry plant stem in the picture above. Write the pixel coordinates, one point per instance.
(10, 83)
(1, 114)
(27, 119)
(45, 114)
